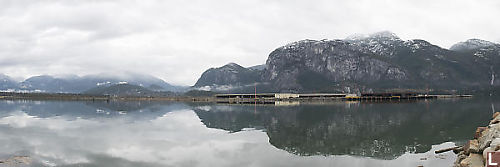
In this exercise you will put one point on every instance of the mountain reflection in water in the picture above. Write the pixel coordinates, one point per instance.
(379, 130)
(117, 133)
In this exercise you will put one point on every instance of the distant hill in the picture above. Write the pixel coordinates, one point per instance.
(155, 87)
(76, 84)
(124, 90)
(198, 93)
(365, 63)
(7, 82)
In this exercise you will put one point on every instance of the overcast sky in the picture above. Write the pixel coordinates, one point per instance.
(177, 40)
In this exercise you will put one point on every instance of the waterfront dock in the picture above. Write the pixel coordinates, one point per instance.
(273, 97)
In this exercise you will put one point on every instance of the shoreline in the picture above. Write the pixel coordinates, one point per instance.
(214, 99)
(83, 97)
(474, 152)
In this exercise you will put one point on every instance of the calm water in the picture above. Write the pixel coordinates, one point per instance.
(61, 133)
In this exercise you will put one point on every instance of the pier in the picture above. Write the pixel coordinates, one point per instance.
(273, 97)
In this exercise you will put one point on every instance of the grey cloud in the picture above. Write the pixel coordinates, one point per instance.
(177, 40)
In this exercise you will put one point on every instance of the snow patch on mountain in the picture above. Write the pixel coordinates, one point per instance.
(385, 35)
(473, 44)
(380, 43)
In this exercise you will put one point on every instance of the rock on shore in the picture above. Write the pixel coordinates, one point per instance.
(486, 139)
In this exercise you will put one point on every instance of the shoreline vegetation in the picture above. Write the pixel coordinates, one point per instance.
(86, 97)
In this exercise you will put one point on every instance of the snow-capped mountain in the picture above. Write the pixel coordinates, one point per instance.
(7, 83)
(228, 77)
(76, 84)
(369, 62)
(473, 44)
(482, 50)
(381, 43)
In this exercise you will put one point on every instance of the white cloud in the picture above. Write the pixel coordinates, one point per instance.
(177, 40)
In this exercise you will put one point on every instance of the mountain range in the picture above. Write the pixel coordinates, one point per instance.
(360, 63)
(125, 89)
(363, 63)
(77, 84)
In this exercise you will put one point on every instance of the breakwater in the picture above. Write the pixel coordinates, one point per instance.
(486, 140)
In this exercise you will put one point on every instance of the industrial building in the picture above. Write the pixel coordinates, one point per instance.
(280, 96)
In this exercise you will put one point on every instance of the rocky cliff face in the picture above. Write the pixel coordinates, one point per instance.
(376, 61)
(484, 54)
(229, 76)
(371, 62)
(315, 64)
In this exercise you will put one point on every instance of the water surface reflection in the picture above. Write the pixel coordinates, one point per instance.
(55, 133)
(379, 130)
